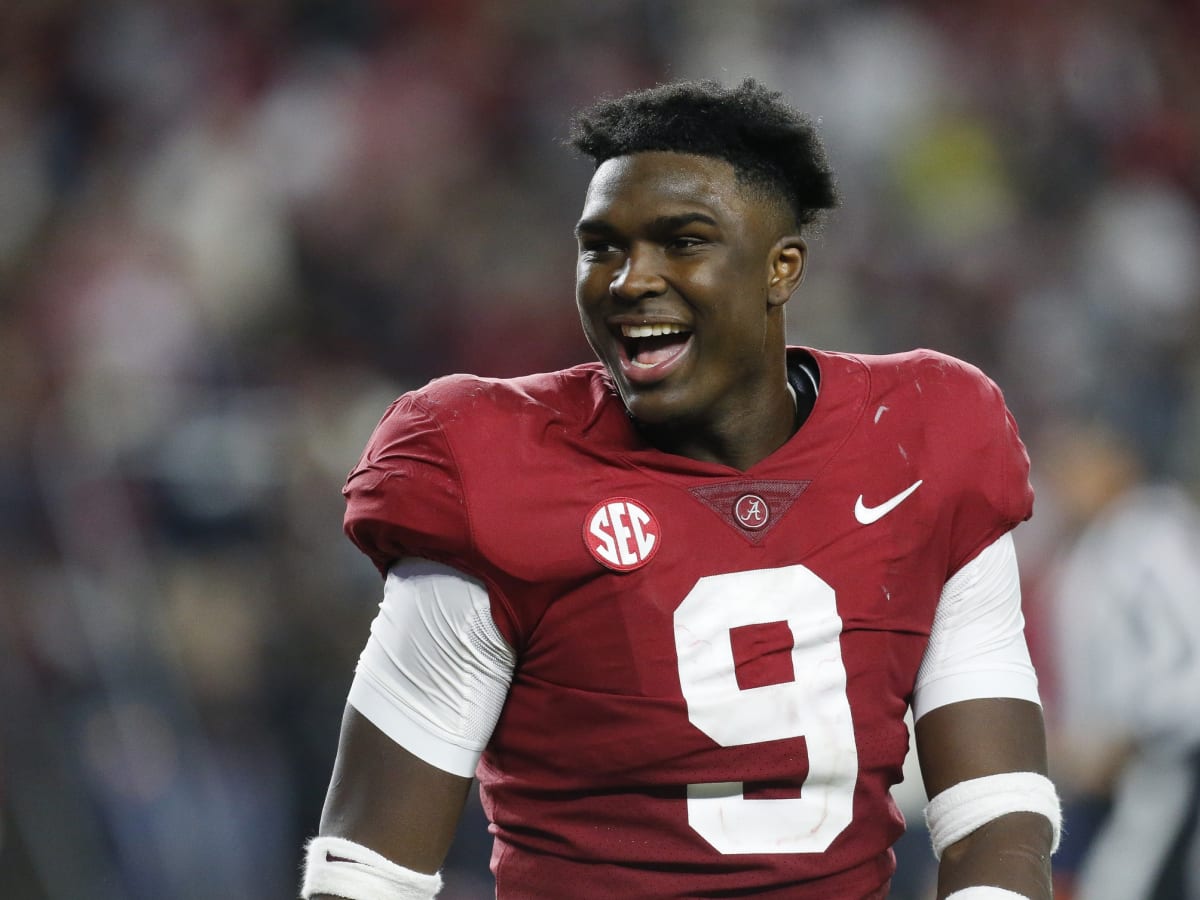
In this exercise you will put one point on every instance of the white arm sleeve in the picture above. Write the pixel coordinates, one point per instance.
(435, 672)
(977, 643)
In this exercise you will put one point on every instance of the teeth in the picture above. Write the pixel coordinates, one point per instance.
(645, 331)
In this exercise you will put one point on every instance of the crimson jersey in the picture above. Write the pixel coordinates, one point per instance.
(713, 666)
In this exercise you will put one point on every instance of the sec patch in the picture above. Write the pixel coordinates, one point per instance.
(622, 534)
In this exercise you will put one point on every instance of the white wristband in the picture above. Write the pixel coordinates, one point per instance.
(969, 805)
(986, 893)
(342, 868)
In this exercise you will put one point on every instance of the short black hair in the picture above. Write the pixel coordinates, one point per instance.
(768, 143)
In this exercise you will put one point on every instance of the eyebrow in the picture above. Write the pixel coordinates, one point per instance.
(660, 224)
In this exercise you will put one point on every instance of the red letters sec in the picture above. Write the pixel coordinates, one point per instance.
(621, 534)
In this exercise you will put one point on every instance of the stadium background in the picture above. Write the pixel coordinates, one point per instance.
(231, 232)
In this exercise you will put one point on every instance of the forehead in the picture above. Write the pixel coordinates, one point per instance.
(657, 182)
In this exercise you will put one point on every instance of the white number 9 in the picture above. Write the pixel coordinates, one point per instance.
(813, 705)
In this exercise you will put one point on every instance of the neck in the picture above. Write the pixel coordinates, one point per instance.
(739, 440)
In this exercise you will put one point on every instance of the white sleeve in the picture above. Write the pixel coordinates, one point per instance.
(435, 672)
(977, 643)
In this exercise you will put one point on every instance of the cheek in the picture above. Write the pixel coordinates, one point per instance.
(590, 309)
(736, 276)
(742, 323)
(591, 285)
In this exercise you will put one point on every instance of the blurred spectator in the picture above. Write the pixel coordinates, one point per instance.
(1126, 612)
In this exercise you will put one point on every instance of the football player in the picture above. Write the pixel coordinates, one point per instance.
(671, 608)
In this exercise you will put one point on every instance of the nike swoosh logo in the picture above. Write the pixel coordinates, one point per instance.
(868, 514)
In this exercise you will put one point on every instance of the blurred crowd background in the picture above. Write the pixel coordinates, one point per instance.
(231, 232)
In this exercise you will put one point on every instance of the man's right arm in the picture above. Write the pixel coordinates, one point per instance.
(386, 799)
(429, 688)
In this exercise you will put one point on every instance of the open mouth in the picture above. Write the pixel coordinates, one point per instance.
(650, 350)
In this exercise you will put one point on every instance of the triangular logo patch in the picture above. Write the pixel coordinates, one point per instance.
(751, 508)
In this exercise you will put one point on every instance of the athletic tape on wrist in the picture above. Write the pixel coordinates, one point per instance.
(986, 893)
(968, 805)
(342, 868)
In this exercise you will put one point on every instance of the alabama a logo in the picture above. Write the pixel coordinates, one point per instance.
(621, 534)
(751, 511)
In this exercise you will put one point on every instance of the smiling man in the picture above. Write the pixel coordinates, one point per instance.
(671, 609)
(671, 289)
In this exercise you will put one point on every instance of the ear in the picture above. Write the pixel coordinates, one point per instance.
(788, 258)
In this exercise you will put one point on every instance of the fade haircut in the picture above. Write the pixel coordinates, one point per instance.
(769, 144)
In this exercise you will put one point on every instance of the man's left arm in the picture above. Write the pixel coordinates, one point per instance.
(993, 814)
(984, 766)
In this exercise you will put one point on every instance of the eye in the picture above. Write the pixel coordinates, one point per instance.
(596, 248)
(685, 243)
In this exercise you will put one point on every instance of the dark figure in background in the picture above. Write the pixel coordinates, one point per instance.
(671, 608)
(1125, 608)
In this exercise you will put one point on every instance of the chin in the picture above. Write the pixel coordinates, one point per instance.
(655, 411)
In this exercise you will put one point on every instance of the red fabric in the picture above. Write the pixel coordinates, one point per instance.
(591, 759)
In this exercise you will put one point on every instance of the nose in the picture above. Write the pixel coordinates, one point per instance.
(639, 277)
